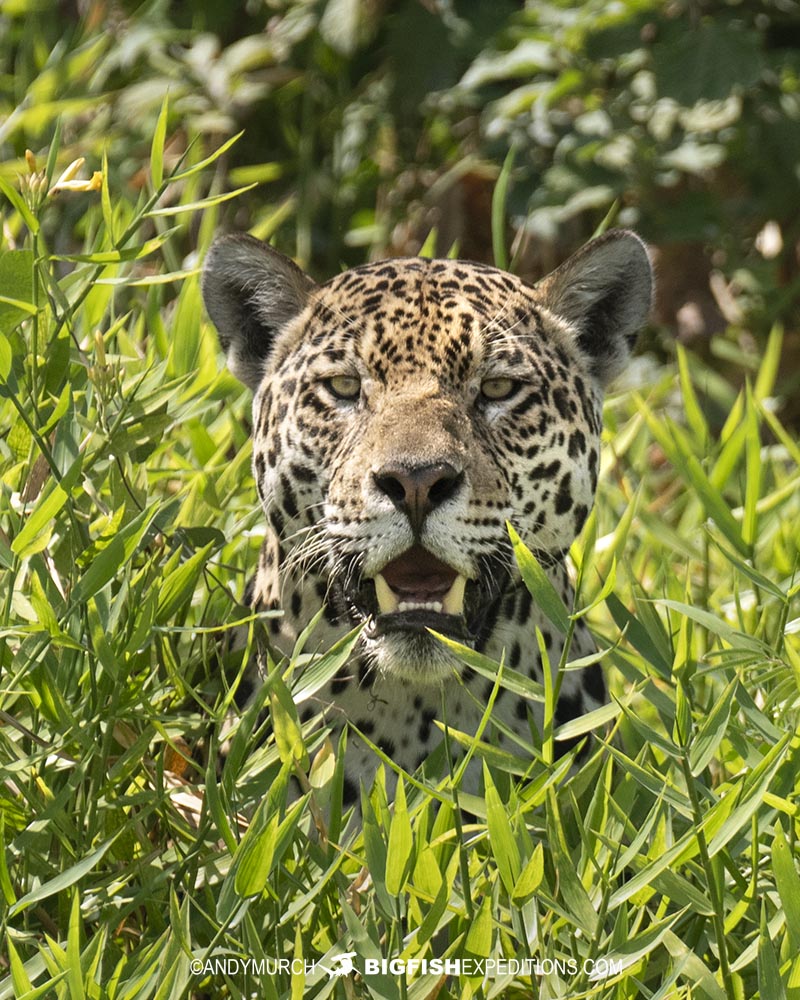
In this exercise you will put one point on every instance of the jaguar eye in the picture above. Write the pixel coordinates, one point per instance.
(498, 388)
(344, 386)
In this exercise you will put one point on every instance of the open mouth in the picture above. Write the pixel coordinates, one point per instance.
(417, 591)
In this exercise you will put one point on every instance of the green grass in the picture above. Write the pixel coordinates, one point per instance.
(128, 524)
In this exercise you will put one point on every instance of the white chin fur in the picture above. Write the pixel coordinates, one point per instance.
(408, 656)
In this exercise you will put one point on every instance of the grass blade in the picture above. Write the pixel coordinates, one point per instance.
(501, 837)
(536, 580)
(499, 199)
(65, 879)
(157, 147)
(400, 845)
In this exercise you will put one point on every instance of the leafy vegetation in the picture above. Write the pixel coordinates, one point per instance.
(128, 520)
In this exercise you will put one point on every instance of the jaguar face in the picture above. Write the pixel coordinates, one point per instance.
(405, 411)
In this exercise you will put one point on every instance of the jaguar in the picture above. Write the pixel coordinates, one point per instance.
(405, 412)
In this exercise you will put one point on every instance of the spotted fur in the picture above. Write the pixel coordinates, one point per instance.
(416, 406)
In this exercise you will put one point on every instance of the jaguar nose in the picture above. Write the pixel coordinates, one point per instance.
(417, 490)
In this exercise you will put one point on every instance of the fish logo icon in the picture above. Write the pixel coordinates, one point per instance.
(343, 967)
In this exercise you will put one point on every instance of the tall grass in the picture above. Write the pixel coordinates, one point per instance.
(665, 865)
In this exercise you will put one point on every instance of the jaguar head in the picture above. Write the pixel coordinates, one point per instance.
(406, 410)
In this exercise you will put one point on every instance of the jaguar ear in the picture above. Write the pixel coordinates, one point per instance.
(604, 293)
(251, 292)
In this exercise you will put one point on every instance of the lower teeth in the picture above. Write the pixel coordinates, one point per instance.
(420, 606)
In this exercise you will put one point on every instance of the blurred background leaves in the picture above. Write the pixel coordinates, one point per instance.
(368, 123)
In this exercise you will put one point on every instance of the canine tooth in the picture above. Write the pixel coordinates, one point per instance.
(453, 602)
(387, 599)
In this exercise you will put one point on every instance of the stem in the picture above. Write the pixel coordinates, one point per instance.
(783, 617)
(80, 529)
(67, 315)
(35, 329)
(306, 168)
(463, 864)
(14, 569)
(552, 690)
(711, 878)
(397, 933)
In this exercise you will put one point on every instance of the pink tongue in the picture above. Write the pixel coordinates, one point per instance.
(419, 575)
